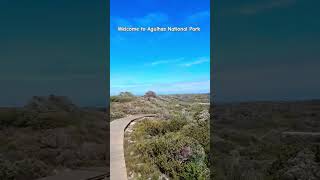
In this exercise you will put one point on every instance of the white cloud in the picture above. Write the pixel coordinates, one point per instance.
(177, 62)
(159, 62)
(169, 61)
(200, 60)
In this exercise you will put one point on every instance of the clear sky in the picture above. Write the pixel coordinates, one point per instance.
(165, 62)
(266, 50)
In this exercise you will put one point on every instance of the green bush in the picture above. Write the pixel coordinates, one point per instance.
(154, 128)
(199, 132)
(175, 125)
(194, 171)
(37, 120)
(166, 153)
(123, 97)
(46, 120)
(283, 154)
(159, 127)
(7, 116)
(117, 114)
(239, 137)
(27, 169)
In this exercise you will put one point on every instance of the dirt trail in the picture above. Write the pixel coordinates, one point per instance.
(118, 169)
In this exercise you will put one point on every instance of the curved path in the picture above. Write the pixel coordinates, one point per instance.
(118, 169)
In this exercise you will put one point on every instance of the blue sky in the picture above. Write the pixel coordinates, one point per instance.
(165, 62)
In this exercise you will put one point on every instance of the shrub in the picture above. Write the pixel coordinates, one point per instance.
(175, 125)
(123, 97)
(7, 116)
(116, 115)
(46, 120)
(22, 170)
(154, 128)
(159, 127)
(150, 94)
(38, 120)
(283, 154)
(168, 153)
(200, 132)
(194, 171)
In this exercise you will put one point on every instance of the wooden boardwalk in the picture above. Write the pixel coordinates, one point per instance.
(118, 169)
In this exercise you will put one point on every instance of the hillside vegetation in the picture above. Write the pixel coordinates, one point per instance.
(50, 135)
(174, 145)
(267, 140)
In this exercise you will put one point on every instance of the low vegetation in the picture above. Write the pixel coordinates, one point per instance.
(123, 97)
(49, 135)
(251, 140)
(173, 145)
